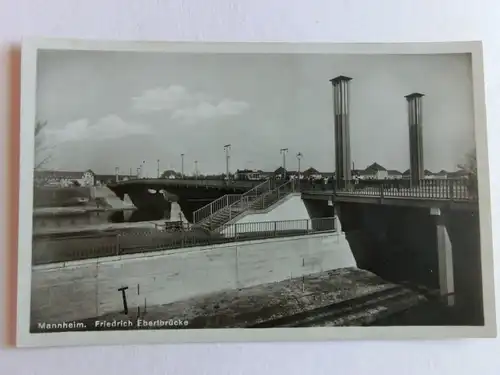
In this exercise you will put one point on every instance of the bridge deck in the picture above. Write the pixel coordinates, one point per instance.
(202, 183)
(417, 197)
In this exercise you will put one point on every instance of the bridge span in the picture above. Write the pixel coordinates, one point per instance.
(192, 195)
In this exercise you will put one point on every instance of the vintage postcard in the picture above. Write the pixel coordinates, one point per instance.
(211, 192)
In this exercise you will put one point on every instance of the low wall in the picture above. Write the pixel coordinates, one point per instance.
(84, 289)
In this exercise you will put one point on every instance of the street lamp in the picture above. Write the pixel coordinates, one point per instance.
(158, 168)
(299, 156)
(283, 151)
(182, 166)
(142, 168)
(196, 169)
(227, 148)
(116, 173)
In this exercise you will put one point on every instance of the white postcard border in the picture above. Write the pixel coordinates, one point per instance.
(28, 115)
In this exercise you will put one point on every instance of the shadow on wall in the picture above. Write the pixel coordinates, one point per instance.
(397, 243)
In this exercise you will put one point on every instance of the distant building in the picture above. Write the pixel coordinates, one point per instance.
(374, 172)
(312, 173)
(406, 174)
(64, 178)
(249, 175)
(170, 174)
(280, 172)
(429, 174)
(394, 174)
(75, 178)
(103, 179)
(442, 174)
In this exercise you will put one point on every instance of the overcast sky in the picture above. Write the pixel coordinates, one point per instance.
(117, 109)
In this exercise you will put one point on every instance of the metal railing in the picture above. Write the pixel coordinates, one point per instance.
(258, 201)
(223, 203)
(211, 208)
(438, 189)
(145, 241)
(268, 199)
(277, 228)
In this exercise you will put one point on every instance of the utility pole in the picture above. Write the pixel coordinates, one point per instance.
(182, 166)
(227, 148)
(283, 151)
(158, 168)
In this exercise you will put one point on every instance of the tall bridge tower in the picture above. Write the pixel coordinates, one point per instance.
(342, 132)
(415, 131)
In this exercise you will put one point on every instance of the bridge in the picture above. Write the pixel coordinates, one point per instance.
(196, 195)
(418, 230)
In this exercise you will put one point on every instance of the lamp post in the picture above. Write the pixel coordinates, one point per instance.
(142, 168)
(116, 173)
(196, 169)
(158, 168)
(299, 156)
(283, 151)
(182, 166)
(227, 148)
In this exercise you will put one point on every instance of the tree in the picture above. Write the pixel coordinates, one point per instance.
(41, 148)
(470, 165)
(470, 169)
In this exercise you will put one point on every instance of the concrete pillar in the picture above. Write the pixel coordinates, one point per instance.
(445, 259)
(338, 224)
(415, 133)
(342, 132)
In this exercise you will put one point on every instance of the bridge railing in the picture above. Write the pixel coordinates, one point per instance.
(452, 189)
(153, 240)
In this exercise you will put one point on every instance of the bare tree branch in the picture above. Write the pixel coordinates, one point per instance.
(41, 148)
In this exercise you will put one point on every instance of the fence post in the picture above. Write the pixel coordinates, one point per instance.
(211, 216)
(381, 187)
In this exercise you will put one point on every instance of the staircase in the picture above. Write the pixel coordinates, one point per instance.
(259, 198)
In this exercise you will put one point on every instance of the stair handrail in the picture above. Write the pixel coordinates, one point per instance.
(212, 207)
(217, 205)
(247, 203)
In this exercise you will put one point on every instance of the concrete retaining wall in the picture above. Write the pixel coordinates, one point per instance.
(291, 208)
(83, 289)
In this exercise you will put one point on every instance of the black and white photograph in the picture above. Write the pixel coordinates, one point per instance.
(252, 192)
